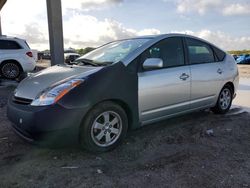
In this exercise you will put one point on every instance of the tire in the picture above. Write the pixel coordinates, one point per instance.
(10, 70)
(104, 127)
(224, 101)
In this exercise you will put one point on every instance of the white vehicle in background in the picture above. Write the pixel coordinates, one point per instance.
(15, 57)
(70, 57)
(35, 54)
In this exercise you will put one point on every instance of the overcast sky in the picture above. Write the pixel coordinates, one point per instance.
(94, 22)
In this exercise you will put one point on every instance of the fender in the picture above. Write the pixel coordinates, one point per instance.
(114, 82)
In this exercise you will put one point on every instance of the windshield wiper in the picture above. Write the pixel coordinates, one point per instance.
(91, 62)
(105, 63)
(86, 62)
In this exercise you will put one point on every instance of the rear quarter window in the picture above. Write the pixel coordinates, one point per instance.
(9, 45)
(220, 55)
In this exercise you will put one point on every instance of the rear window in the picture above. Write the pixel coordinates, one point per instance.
(9, 45)
(220, 55)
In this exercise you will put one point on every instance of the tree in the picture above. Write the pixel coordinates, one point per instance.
(85, 50)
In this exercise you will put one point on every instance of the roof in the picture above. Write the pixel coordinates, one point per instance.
(161, 36)
(9, 37)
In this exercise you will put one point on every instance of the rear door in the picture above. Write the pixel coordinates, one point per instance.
(207, 73)
(165, 91)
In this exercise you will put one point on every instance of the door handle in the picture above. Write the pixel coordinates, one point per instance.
(184, 76)
(219, 71)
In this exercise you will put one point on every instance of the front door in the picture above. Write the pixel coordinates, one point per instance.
(165, 91)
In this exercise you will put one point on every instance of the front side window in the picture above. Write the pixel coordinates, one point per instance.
(9, 45)
(170, 50)
(199, 52)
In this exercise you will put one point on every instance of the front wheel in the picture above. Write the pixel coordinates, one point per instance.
(104, 127)
(224, 101)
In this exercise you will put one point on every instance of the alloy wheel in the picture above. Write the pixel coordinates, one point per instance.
(106, 129)
(225, 98)
(10, 70)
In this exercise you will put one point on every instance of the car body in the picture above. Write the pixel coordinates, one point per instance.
(70, 57)
(243, 59)
(15, 57)
(123, 85)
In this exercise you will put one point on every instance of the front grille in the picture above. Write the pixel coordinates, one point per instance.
(20, 100)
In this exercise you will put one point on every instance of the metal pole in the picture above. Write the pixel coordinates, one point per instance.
(54, 11)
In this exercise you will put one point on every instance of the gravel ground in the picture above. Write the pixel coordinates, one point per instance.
(244, 71)
(196, 150)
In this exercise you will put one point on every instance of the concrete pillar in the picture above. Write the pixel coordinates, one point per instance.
(0, 25)
(2, 3)
(54, 11)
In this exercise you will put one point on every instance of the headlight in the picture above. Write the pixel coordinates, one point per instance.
(54, 94)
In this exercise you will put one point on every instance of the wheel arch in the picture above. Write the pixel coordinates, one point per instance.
(231, 85)
(12, 61)
(123, 105)
(127, 109)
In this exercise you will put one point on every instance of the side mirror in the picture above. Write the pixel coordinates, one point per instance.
(153, 63)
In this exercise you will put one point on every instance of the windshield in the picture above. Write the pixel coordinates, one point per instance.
(111, 53)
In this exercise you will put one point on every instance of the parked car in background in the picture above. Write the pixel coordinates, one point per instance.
(35, 54)
(15, 57)
(123, 85)
(70, 57)
(243, 59)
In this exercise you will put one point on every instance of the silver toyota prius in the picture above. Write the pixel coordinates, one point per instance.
(123, 85)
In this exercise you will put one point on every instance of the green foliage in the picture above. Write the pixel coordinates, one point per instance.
(239, 52)
(85, 50)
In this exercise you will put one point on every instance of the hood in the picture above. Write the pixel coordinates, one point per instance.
(30, 87)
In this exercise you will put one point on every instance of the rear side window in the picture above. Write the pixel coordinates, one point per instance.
(9, 45)
(220, 55)
(199, 52)
(170, 50)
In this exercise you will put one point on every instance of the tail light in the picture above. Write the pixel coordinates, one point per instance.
(29, 54)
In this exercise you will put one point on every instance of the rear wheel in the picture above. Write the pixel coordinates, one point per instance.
(224, 101)
(10, 70)
(105, 126)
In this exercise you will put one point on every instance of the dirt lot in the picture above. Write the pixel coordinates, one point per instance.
(244, 71)
(196, 150)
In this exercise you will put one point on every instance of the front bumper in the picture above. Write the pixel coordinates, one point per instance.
(46, 124)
